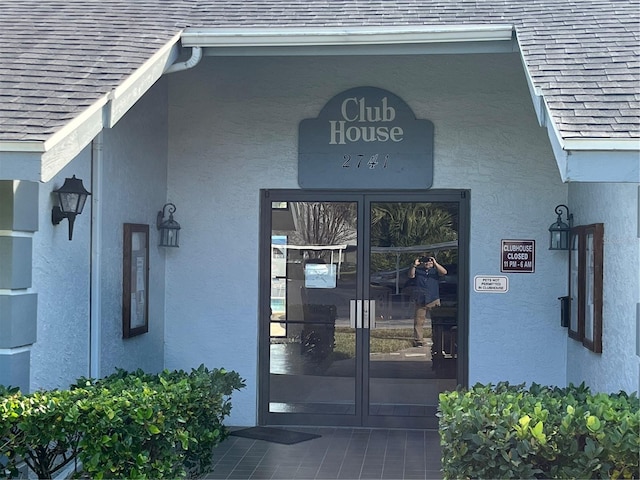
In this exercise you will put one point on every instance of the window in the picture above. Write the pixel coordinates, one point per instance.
(585, 285)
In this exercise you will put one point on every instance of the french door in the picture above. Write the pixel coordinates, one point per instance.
(339, 340)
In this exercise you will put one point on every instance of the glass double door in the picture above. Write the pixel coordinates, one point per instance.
(349, 337)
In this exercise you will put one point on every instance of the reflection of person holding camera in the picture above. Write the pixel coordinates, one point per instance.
(427, 272)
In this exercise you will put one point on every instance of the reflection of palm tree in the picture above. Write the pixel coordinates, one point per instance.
(406, 225)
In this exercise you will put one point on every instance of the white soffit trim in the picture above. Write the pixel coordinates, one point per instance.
(134, 87)
(22, 146)
(600, 144)
(66, 143)
(297, 37)
(70, 128)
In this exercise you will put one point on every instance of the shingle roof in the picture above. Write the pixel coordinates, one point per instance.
(59, 57)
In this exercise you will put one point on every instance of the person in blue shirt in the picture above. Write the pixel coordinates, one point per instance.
(427, 272)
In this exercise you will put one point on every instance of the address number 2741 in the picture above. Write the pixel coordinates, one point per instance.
(360, 161)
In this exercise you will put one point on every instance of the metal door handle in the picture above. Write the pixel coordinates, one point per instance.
(362, 314)
(372, 314)
(366, 314)
(355, 313)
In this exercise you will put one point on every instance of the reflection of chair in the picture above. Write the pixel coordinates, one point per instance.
(381, 296)
(445, 337)
(317, 337)
(318, 333)
(402, 306)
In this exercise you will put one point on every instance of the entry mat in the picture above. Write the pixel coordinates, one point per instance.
(276, 435)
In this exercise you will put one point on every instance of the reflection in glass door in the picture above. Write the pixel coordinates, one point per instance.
(413, 330)
(312, 347)
(343, 344)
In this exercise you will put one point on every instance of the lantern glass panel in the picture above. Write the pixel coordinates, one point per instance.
(559, 236)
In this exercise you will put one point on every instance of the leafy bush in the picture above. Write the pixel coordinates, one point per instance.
(33, 429)
(127, 425)
(543, 432)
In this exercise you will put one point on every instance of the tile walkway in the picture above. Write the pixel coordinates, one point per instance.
(340, 453)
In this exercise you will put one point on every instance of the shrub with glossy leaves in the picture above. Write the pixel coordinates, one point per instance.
(127, 425)
(508, 431)
(34, 430)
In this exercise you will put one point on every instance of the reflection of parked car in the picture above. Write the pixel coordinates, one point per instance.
(449, 284)
(388, 278)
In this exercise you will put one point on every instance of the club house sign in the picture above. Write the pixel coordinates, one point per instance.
(365, 137)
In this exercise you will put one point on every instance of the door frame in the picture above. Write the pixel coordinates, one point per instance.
(363, 198)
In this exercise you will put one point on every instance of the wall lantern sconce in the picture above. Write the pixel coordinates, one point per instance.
(559, 232)
(169, 229)
(71, 196)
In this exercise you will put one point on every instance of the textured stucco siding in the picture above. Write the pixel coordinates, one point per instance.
(616, 368)
(61, 280)
(234, 129)
(132, 188)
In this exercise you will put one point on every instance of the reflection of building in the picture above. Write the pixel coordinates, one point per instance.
(313, 275)
(335, 254)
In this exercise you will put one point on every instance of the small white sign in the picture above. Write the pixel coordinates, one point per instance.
(320, 275)
(491, 284)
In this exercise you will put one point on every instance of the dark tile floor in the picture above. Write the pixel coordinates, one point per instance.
(340, 453)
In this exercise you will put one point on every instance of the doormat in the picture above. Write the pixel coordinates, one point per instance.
(276, 435)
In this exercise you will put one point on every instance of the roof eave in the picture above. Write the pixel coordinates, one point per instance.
(225, 37)
(582, 159)
(602, 144)
(595, 160)
(65, 144)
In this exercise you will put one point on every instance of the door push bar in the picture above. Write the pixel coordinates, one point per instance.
(362, 314)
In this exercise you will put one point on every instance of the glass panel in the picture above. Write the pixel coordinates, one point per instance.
(313, 281)
(589, 276)
(412, 338)
(573, 285)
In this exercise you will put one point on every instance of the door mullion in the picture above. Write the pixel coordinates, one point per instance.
(364, 371)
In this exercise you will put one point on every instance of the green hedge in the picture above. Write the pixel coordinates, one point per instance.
(127, 425)
(542, 432)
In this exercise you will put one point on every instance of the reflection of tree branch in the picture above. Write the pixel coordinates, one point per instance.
(324, 223)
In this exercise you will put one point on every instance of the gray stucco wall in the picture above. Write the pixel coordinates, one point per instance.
(61, 278)
(134, 189)
(233, 130)
(79, 282)
(617, 367)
